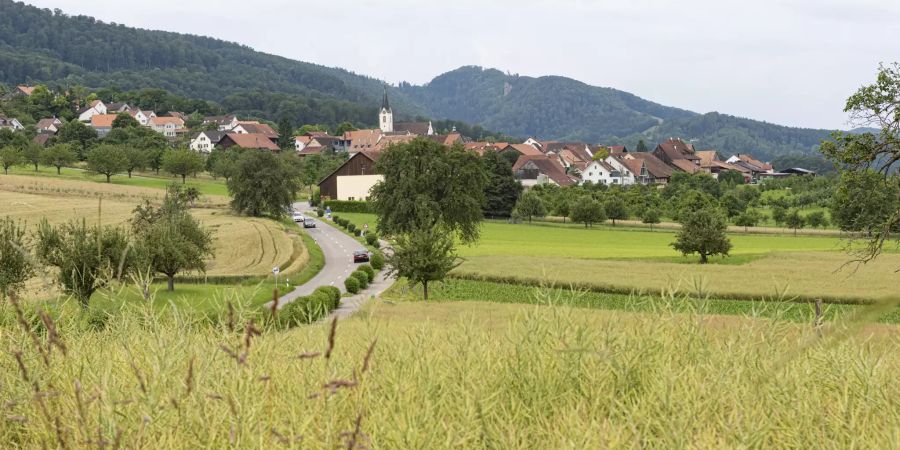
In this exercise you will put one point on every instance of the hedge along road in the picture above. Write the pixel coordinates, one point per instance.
(338, 249)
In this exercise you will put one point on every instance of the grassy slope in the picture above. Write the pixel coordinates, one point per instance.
(473, 375)
(206, 186)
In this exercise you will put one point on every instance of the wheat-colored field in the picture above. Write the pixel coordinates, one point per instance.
(449, 375)
(243, 246)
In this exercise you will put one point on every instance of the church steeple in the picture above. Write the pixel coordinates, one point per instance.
(386, 116)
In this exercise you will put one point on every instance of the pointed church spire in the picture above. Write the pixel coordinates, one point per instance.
(384, 101)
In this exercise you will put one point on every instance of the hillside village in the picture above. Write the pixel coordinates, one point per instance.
(534, 161)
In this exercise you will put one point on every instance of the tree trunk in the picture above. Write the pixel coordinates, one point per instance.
(6, 170)
(58, 170)
(171, 286)
(425, 290)
(183, 179)
(702, 258)
(35, 167)
(129, 174)
(108, 177)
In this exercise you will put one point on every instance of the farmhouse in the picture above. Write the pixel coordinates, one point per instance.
(353, 180)
(96, 107)
(169, 127)
(10, 123)
(206, 141)
(248, 141)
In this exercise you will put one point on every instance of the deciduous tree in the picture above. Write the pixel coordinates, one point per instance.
(59, 156)
(182, 162)
(502, 189)
(703, 232)
(616, 209)
(11, 156)
(262, 184)
(15, 263)
(107, 160)
(529, 206)
(588, 211)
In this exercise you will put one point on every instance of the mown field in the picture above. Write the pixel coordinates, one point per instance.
(244, 247)
(441, 375)
(203, 183)
(618, 259)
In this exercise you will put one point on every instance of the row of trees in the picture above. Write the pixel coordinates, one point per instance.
(161, 239)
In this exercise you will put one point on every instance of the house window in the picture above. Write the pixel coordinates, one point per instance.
(351, 198)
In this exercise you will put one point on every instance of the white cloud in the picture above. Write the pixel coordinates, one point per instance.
(791, 62)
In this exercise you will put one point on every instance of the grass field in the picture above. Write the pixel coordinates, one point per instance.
(455, 290)
(471, 375)
(244, 247)
(625, 260)
(206, 185)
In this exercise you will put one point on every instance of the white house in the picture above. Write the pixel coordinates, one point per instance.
(206, 141)
(167, 126)
(624, 169)
(225, 123)
(143, 117)
(600, 172)
(96, 107)
(10, 123)
(50, 125)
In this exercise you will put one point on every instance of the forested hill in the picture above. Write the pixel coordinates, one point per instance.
(44, 46)
(39, 45)
(562, 108)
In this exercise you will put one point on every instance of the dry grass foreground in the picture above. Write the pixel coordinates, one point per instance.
(243, 246)
(470, 375)
(806, 274)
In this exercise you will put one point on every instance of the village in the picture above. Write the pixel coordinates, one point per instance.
(534, 161)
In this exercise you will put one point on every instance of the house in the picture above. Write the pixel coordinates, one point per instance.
(678, 154)
(102, 123)
(751, 164)
(206, 141)
(522, 150)
(447, 139)
(654, 170)
(178, 114)
(354, 180)
(712, 163)
(792, 172)
(42, 139)
(255, 128)
(532, 170)
(96, 107)
(248, 141)
(602, 172)
(50, 125)
(300, 142)
(10, 123)
(114, 108)
(319, 144)
(169, 127)
(225, 123)
(20, 90)
(416, 128)
(359, 140)
(143, 117)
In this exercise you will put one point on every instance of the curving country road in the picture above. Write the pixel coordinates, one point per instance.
(338, 249)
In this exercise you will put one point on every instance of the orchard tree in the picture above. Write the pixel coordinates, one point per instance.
(183, 162)
(733, 204)
(703, 232)
(562, 207)
(867, 202)
(32, 154)
(11, 156)
(588, 211)
(262, 184)
(651, 217)
(88, 257)
(748, 218)
(423, 255)
(779, 214)
(529, 206)
(16, 266)
(817, 219)
(107, 160)
(794, 220)
(616, 209)
(59, 156)
(80, 136)
(136, 160)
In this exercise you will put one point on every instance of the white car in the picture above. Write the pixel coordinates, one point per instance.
(298, 217)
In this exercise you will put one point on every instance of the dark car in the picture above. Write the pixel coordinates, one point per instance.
(360, 256)
(309, 223)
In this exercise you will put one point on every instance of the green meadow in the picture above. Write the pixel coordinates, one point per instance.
(206, 185)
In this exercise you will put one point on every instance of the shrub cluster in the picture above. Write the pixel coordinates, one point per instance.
(377, 261)
(310, 308)
(352, 285)
(348, 206)
(372, 239)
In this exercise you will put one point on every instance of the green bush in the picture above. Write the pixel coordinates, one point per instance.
(305, 310)
(371, 238)
(351, 228)
(320, 212)
(362, 277)
(352, 285)
(377, 261)
(368, 270)
(333, 293)
(348, 206)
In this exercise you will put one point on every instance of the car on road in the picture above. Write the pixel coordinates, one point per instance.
(298, 217)
(309, 223)
(360, 256)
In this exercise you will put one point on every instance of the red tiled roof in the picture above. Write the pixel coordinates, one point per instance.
(655, 166)
(252, 141)
(103, 120)
(259, 128)
(547, 166)
(27, 90)
(686, 165)
(677, 149)
(526, 150)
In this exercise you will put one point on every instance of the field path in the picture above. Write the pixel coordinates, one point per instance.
(338, 249)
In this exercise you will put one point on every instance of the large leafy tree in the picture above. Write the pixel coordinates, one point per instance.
(502, 189)
(423, 256)
(88, 257)
(588, 211)
(702, 232)
(182, 162)
(262, 184)
(867, 202)
(80, 136)
(616, 209)
(107, 160)
(15, 263)
(529, 206)
(59, 156)
(32, 154)
(427, 184)
(137, 159)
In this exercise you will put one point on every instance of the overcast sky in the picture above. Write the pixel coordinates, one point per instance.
(791, 62)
